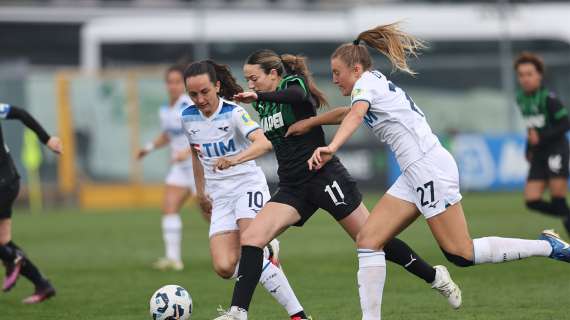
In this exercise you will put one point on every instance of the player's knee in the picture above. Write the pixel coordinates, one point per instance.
(460, 259)
(365, 239)
(225, 269)
(252, 239)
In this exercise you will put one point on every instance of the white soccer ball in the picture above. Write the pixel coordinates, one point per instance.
(171, 302)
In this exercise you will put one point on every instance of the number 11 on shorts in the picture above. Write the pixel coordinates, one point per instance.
(329, 189)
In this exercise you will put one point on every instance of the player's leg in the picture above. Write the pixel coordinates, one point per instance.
(536, 184)
(558, 182)
(225, 250)
(272, 220)
(273, 279)
(437, 181)
(451, 232)
(175, 195)
(14, 258)
(396, 250)
(533, 192)
(558, 190)
(388, 218)
(11, 259)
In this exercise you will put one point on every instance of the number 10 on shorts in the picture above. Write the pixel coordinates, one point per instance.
(330, 189)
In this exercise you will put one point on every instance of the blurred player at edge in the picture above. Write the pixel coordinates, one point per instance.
(547, 150)
(14, 259)
(180, 179)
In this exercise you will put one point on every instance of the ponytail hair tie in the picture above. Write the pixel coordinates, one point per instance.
(356, 42)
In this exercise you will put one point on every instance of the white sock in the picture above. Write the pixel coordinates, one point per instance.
(172, 235)
(275, 282)
(497, 250)
(371, 278)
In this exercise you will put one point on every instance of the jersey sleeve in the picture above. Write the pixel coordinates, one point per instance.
(371, 87)
(556, 108)
(4, 110)
(362, 91)
(243, 122)
(292, 94)
(561, 122)
(297, 80)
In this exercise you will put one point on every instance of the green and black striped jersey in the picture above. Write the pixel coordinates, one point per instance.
(291, 102)
(543, 111)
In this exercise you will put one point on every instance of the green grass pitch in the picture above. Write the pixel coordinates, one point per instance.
(100, 265)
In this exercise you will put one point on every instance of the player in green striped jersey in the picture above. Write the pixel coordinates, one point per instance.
(547, 122)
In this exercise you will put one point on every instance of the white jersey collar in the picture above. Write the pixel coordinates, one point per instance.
(213, 116)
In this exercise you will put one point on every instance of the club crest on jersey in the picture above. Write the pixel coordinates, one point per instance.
(247, 119)
(272, 122)
(356, 92)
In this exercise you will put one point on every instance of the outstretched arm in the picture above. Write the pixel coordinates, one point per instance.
(53, 143)
(200, 182)
(160, 141)
(260, 146)
(348, 126)
(292, 95)
(331, 117)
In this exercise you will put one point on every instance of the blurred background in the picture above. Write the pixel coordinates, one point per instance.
(92, 72)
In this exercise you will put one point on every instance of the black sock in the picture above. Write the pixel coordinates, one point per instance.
(560, 207)
(29, 270)
(566, 223)
(7, 254)
(542, 206)
(399, 252)
(249, 273)
(300, 314)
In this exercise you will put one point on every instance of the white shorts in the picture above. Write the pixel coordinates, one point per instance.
(431, 183)
(233, 200)
(181, 175)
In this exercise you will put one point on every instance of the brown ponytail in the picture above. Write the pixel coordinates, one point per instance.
(389, 40)
(286, 64)
(217, 72)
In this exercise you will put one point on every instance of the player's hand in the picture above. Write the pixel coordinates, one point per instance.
(298, 128)
(246, 97)
(320, 157)
(181, 156)
(205, 203)
(533, 137)
(141, 153)
(55, 145)
(223, 163)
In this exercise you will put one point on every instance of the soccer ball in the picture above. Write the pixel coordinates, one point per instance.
(171, 302)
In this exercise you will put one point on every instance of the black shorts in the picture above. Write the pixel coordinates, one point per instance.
(552, 162)
(331, 189)
(8, 193)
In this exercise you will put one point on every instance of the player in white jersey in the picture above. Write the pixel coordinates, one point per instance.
(429, 184)
(180, 178)
(229, 185)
